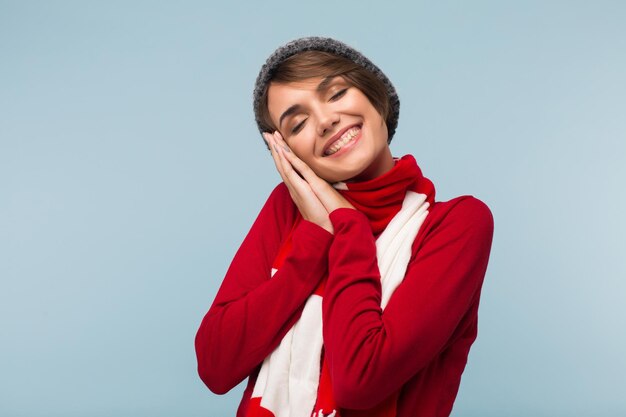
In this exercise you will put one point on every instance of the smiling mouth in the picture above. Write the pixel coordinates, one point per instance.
(348, 137)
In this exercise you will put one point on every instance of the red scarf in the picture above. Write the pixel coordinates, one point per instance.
(380, 199)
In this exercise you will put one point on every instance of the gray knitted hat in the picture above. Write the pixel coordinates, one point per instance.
(316, 43)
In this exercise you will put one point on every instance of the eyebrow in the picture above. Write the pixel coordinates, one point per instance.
(323, 85)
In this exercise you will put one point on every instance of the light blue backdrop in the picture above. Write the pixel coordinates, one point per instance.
(131, 169)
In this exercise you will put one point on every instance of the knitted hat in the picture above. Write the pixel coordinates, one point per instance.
(316, 43)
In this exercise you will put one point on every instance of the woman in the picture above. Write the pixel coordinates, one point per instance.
(354, 293)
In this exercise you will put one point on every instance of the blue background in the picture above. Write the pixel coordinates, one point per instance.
(131, 169)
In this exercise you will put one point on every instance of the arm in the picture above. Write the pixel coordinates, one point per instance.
(251, 312)
(371, 354)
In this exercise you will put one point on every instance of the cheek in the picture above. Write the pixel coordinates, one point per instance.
(300, 151)
(303, 145)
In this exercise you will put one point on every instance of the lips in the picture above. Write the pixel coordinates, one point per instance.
(330, 146)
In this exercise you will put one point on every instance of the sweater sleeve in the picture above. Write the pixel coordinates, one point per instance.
(251, 312)
(372, 353)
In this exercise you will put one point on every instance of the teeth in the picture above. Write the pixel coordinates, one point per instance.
(345, 138)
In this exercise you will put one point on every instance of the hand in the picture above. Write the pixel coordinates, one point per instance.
(314, 197)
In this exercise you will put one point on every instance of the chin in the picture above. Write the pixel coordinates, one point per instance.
(344, 176)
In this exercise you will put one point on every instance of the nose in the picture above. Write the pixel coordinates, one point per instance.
(328, 118)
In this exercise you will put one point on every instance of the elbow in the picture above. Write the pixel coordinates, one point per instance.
(365, 385)
(216, 380)
(212, 379)
(208, 369)
(357, 392)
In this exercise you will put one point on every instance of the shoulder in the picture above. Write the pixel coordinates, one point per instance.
(464, 214)
(280, 198)
(466, 207)
(280, 193)
(280, 207)
(456, 232)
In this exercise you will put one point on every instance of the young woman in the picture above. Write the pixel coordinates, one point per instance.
(354, 293)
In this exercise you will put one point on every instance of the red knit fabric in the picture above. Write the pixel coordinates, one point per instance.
(412, 356)
(381, 198)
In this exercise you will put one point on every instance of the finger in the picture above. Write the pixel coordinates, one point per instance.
(309, 204)
(324, 191)
(274, 152)
(288, 170)
(300, 166)
(330, 198)
(300, 188)
(292, 164)
(297, 186)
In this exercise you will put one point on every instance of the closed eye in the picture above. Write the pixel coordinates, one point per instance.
(335, 97)
(297, 128)
(339, 94)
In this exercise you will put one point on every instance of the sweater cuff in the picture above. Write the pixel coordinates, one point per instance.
(343, 216)
(308, 259)
(310, 230)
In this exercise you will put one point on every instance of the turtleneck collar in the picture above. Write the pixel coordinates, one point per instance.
(381, 198)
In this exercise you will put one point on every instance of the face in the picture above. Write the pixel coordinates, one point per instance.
(333, 127)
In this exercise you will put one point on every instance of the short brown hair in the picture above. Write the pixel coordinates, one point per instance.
(315, 64)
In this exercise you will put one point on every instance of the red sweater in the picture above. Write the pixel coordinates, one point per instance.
(418, 346)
